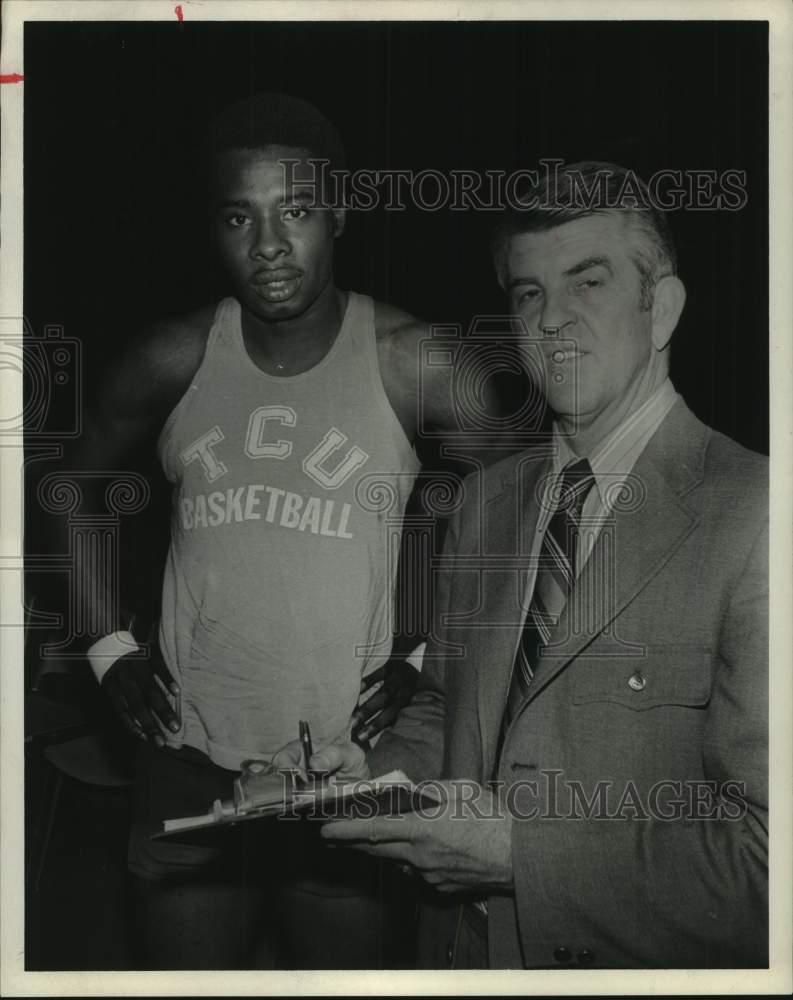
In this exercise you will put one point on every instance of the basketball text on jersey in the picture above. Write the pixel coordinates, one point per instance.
(266, 503)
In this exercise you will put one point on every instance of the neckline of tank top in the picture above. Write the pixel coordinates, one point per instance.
(353, 305)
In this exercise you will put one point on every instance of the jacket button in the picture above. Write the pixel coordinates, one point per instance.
(636, 682)
(449, 956)
(562, 955)
(585, 957)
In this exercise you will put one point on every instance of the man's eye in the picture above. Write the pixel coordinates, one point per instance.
(295, 213)
(236, 220)
(590, 283)
(528, 295)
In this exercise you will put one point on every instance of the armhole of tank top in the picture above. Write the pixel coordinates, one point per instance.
(378, 387)
(182, 403)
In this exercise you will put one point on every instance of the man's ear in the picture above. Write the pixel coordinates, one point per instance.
(339, 219)
(669, 297)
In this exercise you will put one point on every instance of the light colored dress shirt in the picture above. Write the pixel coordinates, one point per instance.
(612, 462)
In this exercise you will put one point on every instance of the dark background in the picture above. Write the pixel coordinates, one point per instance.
(116, 235)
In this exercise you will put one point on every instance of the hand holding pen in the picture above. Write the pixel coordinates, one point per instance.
(308, 751)
(342, 762)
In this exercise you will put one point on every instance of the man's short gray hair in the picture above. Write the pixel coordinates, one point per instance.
(590, 187)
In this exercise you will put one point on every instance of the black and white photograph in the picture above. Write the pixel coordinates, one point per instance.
(396, 503)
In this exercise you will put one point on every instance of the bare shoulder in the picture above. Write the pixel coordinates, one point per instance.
(390, 319)
(138, 389)
(130, 402)
(399, 338)
(405, 365)
(156, 366)
(172, 350)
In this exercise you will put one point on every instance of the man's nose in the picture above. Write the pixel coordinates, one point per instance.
(555, 315)
(270, 242)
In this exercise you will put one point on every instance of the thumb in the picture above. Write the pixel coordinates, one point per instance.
(343, 759)
(328, 760)
(289, 756)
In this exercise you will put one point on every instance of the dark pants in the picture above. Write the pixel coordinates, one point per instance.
(451, 934)
(262, 894)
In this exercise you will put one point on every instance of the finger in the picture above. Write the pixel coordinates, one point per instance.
(137, 706)
(361, 734)
(161, 670)
(366, 709)
(327, 761)
(358, 719)
(289, 757)
(380, 722)
(371, 679)
(158, 704)
(341, 759)
(119, 704)
(391, 850)
(361, 741)
(377, 830)
(374, 704)
(132, 724)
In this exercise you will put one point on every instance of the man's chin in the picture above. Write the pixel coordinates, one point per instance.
(563, 400)
(275, 293)
(270, 310)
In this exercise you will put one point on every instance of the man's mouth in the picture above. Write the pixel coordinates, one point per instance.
(277, 284)
(561, 355)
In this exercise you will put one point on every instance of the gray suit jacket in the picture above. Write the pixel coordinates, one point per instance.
(640, 755)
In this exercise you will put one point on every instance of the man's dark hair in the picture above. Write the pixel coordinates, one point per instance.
(276, 120)
(587, 188)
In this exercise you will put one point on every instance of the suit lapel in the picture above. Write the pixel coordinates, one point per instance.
(509, 534)
(635, 544)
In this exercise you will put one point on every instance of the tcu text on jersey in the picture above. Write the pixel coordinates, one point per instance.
(318, 464)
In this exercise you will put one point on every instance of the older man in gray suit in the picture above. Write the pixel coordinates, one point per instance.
(600, 649)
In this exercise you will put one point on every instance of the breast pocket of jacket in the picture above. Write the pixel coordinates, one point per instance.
(665, 676)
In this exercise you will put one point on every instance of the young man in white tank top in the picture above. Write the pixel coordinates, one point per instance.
(276, 413)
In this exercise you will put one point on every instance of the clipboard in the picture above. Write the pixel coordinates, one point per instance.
(260, 793)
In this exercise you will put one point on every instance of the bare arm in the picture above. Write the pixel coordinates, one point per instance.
(454, 435)
(131, 401)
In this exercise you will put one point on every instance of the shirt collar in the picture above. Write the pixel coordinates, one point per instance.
(615, 456)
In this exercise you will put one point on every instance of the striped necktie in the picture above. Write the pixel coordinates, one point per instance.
(554, 581)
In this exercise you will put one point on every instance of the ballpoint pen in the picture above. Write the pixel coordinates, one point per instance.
(308, 750)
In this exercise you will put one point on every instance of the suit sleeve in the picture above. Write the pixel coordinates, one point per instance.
(685, 892)
(416, 741)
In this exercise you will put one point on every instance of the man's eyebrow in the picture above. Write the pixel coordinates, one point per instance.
(581, 266)
(234, 203)
(514, 282)
(305, 194)
(586, 264)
